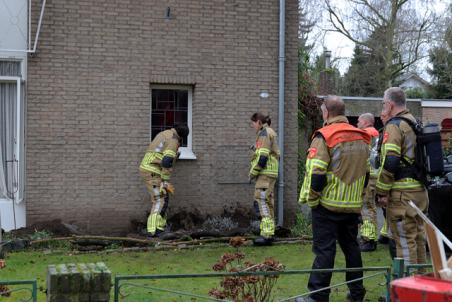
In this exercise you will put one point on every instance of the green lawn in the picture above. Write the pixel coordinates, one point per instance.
(29, 265)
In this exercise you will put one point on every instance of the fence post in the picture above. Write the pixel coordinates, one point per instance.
(388, 285)
(398, 268)
(116, 289)
(35, 291)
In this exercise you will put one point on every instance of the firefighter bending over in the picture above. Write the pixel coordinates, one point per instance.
(155, 169)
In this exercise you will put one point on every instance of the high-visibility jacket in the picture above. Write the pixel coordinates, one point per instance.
(397, 154)
(161, 154)
(371, 131)
(336, 167)
(266, 154)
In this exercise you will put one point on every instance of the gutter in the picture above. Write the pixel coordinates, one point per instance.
(282, 31)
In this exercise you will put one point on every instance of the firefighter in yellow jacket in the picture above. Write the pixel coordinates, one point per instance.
(397, 183)
(264, 169)
(155, 169)
(336, 174)
(369, 226)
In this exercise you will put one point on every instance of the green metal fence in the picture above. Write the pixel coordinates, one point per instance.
(400, 269)
(122, 281)
(397, 270)
(33, 289)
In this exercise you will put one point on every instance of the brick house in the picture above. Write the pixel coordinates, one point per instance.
(107, 75)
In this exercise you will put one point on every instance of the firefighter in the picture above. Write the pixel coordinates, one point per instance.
(336, 174)
(385, 236)
(155, 169)
(264, 170)
(369, 225)
(396, 181)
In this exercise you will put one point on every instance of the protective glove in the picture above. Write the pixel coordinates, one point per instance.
(251, 178)
(167, 187)
(382, 201)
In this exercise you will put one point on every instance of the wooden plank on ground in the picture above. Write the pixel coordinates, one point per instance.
(433, 245)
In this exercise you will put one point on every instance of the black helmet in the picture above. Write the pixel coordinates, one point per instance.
(182, 130)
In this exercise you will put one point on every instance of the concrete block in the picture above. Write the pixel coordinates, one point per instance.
(78, 282)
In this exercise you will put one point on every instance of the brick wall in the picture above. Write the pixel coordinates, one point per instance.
(435, 114)
(358, 107)
(89, 103)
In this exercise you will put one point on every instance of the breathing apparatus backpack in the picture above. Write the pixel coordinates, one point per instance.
(428, 161)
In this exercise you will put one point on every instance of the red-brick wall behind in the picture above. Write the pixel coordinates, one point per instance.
(435, 114)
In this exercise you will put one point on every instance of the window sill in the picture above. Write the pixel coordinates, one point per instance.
(186, 153)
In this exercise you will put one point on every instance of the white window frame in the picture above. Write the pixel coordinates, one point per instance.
(185, 152)
(6, 207)
(19, 145)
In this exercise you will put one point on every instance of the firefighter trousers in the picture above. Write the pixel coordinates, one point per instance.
(159, 202)
(369, 212)
(406, 226)
(329, 227)
(264, 204)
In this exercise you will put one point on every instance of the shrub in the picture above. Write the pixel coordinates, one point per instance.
(251, 288)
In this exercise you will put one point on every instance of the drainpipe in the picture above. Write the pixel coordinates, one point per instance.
(282, 31)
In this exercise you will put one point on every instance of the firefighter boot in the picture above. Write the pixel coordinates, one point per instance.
(368, 246)
(263, 241)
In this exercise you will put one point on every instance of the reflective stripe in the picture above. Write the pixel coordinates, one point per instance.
(407, 183)
(409, 160)
(383, 186)
(150, 162)
(306, 187)
(156, 207)
(369, 230)
(319, 163)
(341, 203)
(271, 169)
(263, 151)
(267, 227)
(151, 168)
(161, 223)
(169, 152)
(384, 228)
(392, 147)
(152, 223)
(155, 222)
(339, 194)
(165, 176)
(264, 208)
(403, 242)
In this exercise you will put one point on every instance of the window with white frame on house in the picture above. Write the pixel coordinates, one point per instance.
(11, 131)
(171, 105)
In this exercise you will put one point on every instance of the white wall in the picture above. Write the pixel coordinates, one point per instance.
(13, 26)
(13, 36)
(412, 83)
(7, 214)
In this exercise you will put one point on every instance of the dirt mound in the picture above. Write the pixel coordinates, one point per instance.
(55, 227)
(242, 215)
(185, 220)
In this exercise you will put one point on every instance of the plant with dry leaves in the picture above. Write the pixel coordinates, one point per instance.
(249, 288)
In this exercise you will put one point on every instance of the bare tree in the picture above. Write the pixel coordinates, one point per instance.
(403, 29)
(309, 16)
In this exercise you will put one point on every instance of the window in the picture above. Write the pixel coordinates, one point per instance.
(12, 207)
(170, 105)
